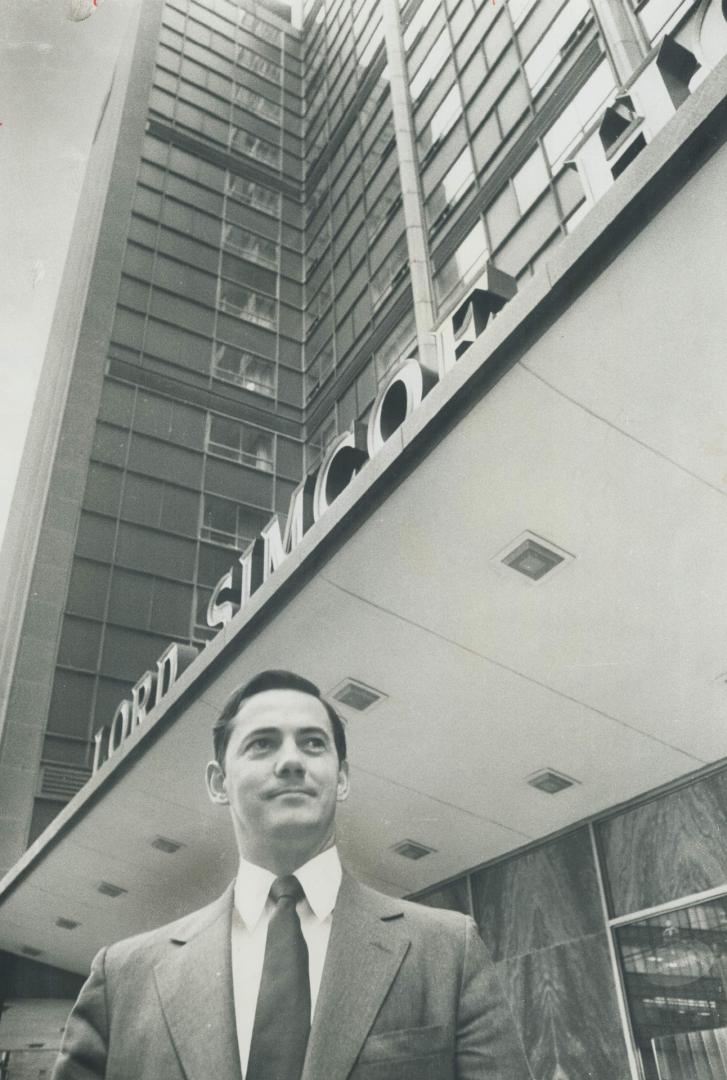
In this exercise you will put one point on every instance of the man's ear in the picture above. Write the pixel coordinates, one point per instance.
(343, 782)
(216, 784)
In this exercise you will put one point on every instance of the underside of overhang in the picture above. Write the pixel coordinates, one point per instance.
(606, 441)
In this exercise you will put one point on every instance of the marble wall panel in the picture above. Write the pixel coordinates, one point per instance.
(668, 848)
(454, 896)
(544, 897)
(564, 1001)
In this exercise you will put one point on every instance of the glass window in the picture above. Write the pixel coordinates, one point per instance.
(244, 369)
(369, 50)
(588, 102)
(391, 271)
(252, 194)
(255, 147)
(246, 304)
(453, 186)
(319, 441)
(546, 55)
(421, 18)
(382, 193)
(656, 14)
(675, 974)
(433, 62)
(241, 442)
(519, 10)
(530, 180)
(228, 523)
(87, 589)
(250, 245)
(443, 118)
(258, 104)
(248, 60)
(71, 703)
(465, 263)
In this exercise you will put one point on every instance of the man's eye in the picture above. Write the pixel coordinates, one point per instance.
(262, 743)
(314, 742)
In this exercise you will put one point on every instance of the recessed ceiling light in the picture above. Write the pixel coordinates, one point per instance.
(356, 695)
(532, 556)
(107, 889)
(412, 849)
(550, 781)
(162, 843)
(30, 950)
(532, 559)
(66, 924)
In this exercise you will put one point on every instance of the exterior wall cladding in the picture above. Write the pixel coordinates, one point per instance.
(266, 287)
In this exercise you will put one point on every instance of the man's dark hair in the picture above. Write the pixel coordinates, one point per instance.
(272, 680)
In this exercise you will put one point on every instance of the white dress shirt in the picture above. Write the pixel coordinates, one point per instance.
(321, 879)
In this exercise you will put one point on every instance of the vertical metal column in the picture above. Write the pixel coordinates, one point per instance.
(623, 1009)
(622, 34)
(416, 240)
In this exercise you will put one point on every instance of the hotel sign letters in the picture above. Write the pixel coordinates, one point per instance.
(345, 457)
(398, 397)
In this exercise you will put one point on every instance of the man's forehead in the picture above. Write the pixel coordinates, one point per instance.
(277, 708)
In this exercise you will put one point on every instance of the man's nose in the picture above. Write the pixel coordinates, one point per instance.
(289, 758)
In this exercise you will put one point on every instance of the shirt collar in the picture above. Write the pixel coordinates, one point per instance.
(320, 878)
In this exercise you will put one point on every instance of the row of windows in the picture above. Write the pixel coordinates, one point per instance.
(338, 71)
(221, 75)
(234, 56)
(228, 132)
(125, 410)
(544, 167)
(191, 81)
(221, 15)
(453, 109)
(208, 193)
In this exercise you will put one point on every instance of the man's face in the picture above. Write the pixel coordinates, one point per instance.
(281, 778)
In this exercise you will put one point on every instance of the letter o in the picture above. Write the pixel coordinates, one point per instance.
(398, 397)
(120, 726)
(343, 460)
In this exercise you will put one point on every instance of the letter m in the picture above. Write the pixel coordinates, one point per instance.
(299, 520)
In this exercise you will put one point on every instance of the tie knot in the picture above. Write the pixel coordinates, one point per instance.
(288, 886)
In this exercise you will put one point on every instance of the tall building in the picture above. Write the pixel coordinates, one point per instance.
(281, 205)
(259, 273)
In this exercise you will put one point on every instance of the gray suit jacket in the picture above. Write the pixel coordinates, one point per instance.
(408, 993)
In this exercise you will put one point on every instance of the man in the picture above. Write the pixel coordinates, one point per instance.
(297, 970)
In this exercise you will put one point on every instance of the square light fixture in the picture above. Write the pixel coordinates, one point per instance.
(66, 924)
(356, 695)
(107, 889)
(550, 781)
(163, 843)
(532, 559)
(412, 849)
(532, 556)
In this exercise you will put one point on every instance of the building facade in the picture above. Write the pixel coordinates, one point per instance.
(281, 206)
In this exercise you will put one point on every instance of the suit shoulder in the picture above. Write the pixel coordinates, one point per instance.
(441, 917)
(418, 914)
(151, 942)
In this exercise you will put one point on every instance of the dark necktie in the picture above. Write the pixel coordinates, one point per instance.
(282, 1016)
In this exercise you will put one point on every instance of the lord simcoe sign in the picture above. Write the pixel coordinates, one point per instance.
(399, 396)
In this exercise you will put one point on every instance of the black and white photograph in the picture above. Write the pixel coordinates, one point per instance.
(363, 512)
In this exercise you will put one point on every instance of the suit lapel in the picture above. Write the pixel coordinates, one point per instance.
(194, 985)
(366, 948)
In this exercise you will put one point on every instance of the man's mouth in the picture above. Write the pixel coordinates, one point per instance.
(289, 791)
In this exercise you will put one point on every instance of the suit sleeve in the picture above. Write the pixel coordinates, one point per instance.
(83, 1050)
(488, 1043)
